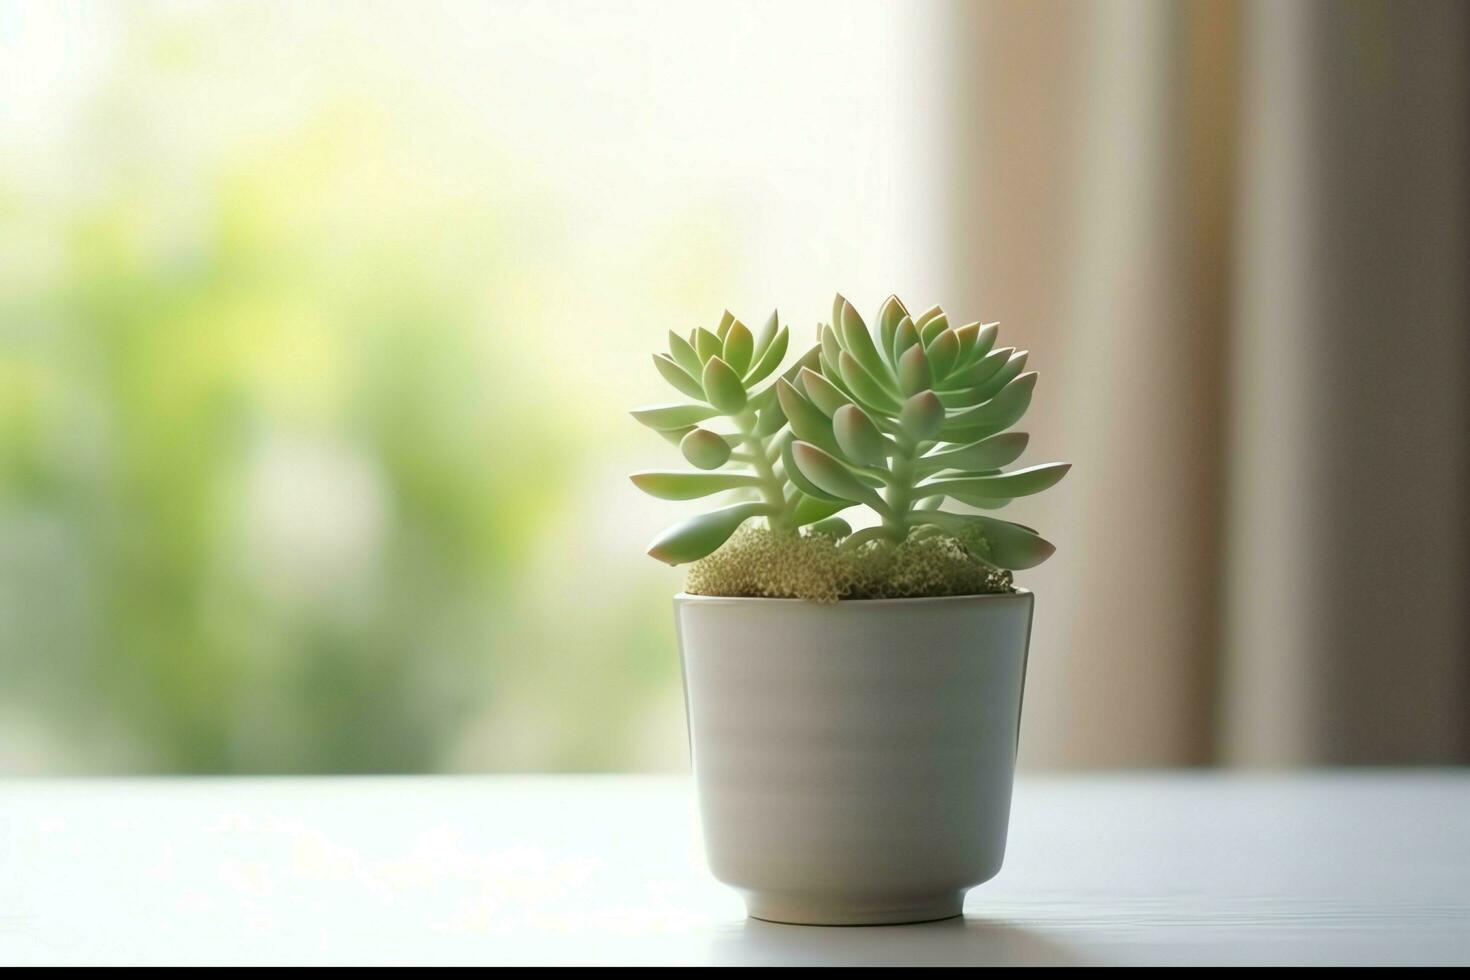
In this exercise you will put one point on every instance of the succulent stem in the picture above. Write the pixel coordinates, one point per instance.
(772, 485)
(900, 484)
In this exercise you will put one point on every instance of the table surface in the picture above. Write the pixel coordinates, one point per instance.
(1347, 868)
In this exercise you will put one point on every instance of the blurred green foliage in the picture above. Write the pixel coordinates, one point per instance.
(281, 446)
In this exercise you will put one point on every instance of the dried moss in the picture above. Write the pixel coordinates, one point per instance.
(757, 562)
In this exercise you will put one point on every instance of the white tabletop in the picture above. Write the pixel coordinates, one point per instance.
(1330, 868)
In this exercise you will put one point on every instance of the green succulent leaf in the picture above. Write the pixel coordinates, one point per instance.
(833, 527)
(985, 454)
(976, 500)
(663, 417)
(858, 437)
(1012, 546)
(806, 420)
(685, 356)
(905, 336)
(822, 392)
(943, 351)
(670, 485)
(922, 416)
(933, 328)
(676, 436)
(771, 417)
(707, 345)
(888, 319)
(928, 316)
(976, 340)
(739, 347)
(705, 449)
(769, 359)
(914, 372)
(832, 476)
(794, 474)
(722, 386)
(1018, 483)
(1011, 370)
(810, 361)
(767, 334)
(692, 539)
(831, 346)
(996, 415)
(811, 510)
(864, 386)
(726, 320)
(979, 372)
(859, 343)
(677, 376)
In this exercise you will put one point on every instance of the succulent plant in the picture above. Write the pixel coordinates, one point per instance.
(911, 415)
(729, 431)
(900, 419)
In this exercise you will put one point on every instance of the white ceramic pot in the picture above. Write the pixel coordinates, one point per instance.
(854, 761)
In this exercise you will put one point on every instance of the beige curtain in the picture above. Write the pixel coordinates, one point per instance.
(1234, 236)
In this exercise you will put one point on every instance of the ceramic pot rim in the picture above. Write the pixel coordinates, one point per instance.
(693, 599)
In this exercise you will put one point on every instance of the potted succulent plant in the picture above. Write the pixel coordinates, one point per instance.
(853, 696)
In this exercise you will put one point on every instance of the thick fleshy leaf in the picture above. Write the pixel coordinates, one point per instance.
(833, 527)
(677, 376)
(822, 392)
(771, 418)
(978, 373)
(831, 476)
(986, 454)
(673, 416)
(859, 343)
(767, 334)
(888, 318)
(676, 436)
(976, 340)
(914, 373)
(722, 386)
(984, 503)
(705, 449)
(996, 415)
(726, 319)
(943, 352)
(1012, 546)
(929, 315)
(670, 485)
(692, 539)
(828, 370)
(811, 360)
(1009, 371)
(933, 328)
(807, 421)
(739, 347)
(684, 356)
(810, 510)
(864, 386)
(990, 387)
(922, 416)
(904, 337)
(831, 346)
(1018, 483)
(793, 473)
(858, 437)
(769, 359)
(707, 345)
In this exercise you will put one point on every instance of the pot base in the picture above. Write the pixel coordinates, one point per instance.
(823, 910)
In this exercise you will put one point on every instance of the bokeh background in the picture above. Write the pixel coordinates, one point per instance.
(318, 324)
